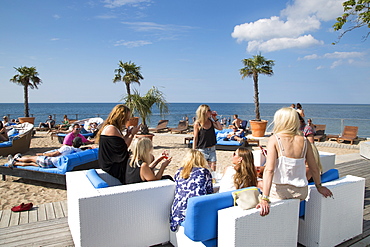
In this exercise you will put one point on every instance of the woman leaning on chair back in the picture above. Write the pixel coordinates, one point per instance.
(284, 176)
(113, 145)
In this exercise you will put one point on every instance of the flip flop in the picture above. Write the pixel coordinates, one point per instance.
(22, 207)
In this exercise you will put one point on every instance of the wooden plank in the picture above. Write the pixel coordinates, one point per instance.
(65, 208)
(58, 210)
(50, 214)
(32, 215)
(5, 218)
(23, 217)
(14, 218)
(41, 212)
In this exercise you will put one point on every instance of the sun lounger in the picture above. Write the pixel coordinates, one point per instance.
(162, 125)
(349, 134)
(183, 126)
(20, 142)
(73, 162)
(320, 132)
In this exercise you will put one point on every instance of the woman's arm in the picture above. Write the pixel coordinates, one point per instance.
(196, 134)
(147, 174)
(268, 175)
(216, 123)
(316, 173)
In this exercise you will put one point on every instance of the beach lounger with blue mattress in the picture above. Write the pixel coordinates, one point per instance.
(72, 162)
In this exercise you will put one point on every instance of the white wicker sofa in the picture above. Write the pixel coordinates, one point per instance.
(121, 215)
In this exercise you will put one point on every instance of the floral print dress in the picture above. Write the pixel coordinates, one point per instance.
(199, 183)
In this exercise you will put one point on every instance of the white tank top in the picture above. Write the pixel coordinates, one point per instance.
(227, 181)
(290, 170)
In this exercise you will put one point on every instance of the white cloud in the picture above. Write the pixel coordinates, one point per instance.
(282, 43)
(320, 67)
(152, 26)
(132, 44)
(344, 55)
(310, 57)
(54, 39)
(336, 64)
(274, 28)
(119, 3)
(56, 17)
(293, 26)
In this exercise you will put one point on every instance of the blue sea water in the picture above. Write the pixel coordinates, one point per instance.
(335, 116)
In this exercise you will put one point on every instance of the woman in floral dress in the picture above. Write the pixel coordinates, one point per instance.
(192, 179)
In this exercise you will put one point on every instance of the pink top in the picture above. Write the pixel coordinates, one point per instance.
(69, 138)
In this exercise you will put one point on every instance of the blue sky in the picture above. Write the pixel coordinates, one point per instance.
(190, 49)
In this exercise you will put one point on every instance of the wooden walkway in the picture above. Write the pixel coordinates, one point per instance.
(47, 224)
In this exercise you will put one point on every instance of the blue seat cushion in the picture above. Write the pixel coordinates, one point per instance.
(202, 215)
(95, 179)
(6, 144)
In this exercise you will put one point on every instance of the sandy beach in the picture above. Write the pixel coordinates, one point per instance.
(15, 190)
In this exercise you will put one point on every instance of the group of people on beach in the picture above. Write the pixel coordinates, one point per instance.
(289, 158)
(289, 164)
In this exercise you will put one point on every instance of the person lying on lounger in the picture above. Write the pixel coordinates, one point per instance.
(236, 135)
(45, 160)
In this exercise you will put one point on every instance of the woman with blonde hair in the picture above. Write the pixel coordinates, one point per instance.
(113, 145)
(241, 174)
(284, 175)
(142, 164)
(192, 179)
(204, 134)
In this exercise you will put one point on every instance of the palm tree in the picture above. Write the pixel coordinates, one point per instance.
(28, 78)
(128, 73)
(253, 67)
(142, 105)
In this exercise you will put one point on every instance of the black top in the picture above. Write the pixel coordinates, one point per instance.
(206, 137)
(113, 156)
(133, 173)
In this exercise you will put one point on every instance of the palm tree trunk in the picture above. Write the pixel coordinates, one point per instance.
(128, 89)
(26, 108)
(256, 99)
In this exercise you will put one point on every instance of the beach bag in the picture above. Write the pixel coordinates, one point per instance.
(246, 198)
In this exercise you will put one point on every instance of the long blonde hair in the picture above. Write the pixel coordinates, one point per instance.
(202, 114)
(286, 121)
(246, 174)
(141, 150)
(118, 117)
(193, 158)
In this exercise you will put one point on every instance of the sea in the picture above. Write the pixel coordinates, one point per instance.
(335, 116)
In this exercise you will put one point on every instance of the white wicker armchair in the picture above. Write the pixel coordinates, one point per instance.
(331, 221)
(123, 215)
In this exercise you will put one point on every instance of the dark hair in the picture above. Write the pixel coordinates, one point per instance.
(75, 124)
(1, 125)
(77, 142)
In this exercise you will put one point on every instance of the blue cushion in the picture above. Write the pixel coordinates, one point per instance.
(95, 179)
(6, 144)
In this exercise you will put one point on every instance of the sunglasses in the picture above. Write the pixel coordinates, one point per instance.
(77, 128)
(235, 154)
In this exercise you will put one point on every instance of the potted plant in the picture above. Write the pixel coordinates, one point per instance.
(252, 68)
(28, 78)
(142, 105)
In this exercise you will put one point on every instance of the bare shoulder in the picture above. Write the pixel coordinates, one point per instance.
(111, 130)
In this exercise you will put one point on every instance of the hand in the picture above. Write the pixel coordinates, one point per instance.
(134, 130)
(325, 191)
(167, 162)
(265, 207)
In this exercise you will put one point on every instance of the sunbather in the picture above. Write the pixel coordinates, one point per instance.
(192, 179)
(45, 160)
(49, 123)
(142, 163)
(236, 135)
(3, 133)
(75, 133)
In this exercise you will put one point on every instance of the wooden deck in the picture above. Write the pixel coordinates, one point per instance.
(47, 224)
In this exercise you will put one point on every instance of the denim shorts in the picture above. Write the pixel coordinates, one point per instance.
(209, 153)
(44, 162)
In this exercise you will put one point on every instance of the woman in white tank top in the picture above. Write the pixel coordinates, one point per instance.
(284, 176)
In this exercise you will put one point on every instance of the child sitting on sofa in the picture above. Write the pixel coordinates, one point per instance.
(192, 179)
